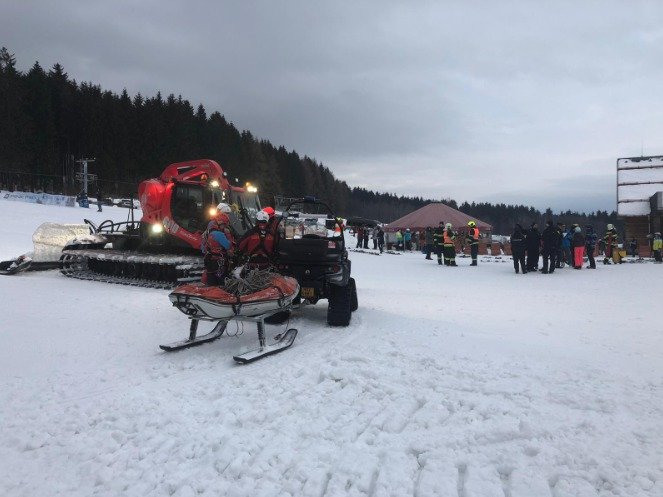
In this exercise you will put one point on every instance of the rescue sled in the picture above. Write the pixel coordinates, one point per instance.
(212, 303)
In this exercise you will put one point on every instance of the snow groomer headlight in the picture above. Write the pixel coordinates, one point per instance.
(157, 228)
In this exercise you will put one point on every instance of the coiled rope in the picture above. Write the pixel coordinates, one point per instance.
(252, 281)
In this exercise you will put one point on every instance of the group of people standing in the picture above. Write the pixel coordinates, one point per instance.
(376, 234)
(442, 241)
(221, 247)
(558, 246)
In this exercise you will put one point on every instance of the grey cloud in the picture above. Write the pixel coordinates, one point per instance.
(469, 100)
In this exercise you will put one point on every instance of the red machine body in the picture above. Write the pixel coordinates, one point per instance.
(181, 198)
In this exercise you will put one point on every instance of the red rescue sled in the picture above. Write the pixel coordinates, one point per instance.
(211, 303)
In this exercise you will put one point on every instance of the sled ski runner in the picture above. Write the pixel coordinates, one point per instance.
(283, 341)
(194, 340)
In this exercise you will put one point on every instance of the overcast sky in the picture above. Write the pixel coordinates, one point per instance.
(517, 102)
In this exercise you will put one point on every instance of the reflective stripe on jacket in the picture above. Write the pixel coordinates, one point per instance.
(473, 235)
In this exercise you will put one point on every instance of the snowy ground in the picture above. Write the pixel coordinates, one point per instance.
(464, 382)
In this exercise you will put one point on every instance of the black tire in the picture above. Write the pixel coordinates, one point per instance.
(339, 311)
(278, 318)
(354, 302)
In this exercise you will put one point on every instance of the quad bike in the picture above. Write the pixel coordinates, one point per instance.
(312, 249)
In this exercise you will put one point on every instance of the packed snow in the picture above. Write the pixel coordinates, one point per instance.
(464, 382)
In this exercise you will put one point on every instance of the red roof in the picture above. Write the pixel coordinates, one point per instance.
(432, 214)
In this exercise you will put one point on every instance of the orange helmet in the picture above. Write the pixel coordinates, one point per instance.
(269, 211)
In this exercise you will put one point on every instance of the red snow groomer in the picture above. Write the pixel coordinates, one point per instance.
(163, 248)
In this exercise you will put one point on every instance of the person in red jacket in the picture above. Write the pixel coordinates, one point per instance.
(258, 244)
(217, 246)
(273, 223)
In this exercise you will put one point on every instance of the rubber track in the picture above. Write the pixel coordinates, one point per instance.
(187, 268)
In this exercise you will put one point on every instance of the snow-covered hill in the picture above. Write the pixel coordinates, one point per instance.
(468, 382)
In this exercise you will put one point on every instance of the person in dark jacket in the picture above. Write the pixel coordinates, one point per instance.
(590, 245)
(472, 238)
(438, 242)
(518, 248)
(365, 235)
(449, 246)
(578, 247)
(633, 247)
(360, 237)
(551, 241)
(429, 242)
(559, 260)
(100, 198)
(533, 245)
(380, 237)
(567, 237)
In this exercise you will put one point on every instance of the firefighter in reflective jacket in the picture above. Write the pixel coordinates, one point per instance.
(217, 246)
(257, 245)
(449, 246)
(472, 238)
(611, 246)
(438, 242)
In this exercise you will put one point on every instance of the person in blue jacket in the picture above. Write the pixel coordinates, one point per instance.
(566, 247)
(407, 239)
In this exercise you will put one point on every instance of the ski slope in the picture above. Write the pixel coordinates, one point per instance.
(463, 382)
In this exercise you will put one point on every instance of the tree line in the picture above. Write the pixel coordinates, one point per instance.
(48, 119)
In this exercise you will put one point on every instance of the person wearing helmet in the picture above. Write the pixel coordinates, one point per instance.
(657, 246)
(223, 208)
(274, 220)
(258, 244)
(611, 250)
(217, 246)
(449, 249)
(472, 238)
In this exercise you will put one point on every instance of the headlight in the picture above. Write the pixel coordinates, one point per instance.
(212, 211)
(157, 228)
(214, 183)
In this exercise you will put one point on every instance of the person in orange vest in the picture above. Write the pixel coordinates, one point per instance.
(472, 238)
(449, 246)
(339, 227)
